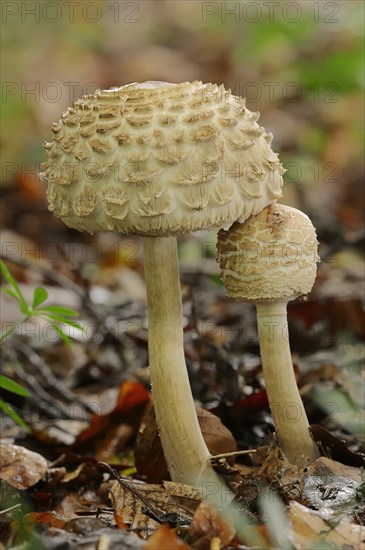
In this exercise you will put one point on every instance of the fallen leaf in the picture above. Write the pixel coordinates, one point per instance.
(217, 437)
(79, 502)
(165, 539)
(131, 396)
(133, 500)
(149, 458)
(121, 524)
(55, 432)
(332, 488)
(148, 454)
(208, 524)
(21, 468)
(84, 525)
(114, 441)
(326, 467)
(48, 518)
(336, 449)
(308, 529)
(73, 475)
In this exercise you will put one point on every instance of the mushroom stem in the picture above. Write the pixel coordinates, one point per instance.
(290, 419)
(186, 453)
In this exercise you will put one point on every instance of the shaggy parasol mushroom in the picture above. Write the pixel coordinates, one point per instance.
(159, 160)
(269, 260)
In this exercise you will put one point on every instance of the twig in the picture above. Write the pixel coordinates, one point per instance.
(156, 512)
(15, 507)
(40, 399)
(57, 385)
(234, 453)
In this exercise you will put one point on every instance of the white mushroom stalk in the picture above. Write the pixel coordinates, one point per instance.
(160, 160)
(285, 402)
(187, 457)
(269, 260)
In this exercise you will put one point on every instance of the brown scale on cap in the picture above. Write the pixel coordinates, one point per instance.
(194, 150)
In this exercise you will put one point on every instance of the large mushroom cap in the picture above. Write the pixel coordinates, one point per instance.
(159, 158)
(270, 257)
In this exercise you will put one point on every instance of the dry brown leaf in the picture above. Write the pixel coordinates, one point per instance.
(208, 524)
(165, 539)
(20, 467)
(79, 502)
(55, 432)
(307, 528)
(216, 436)
(48, 518)
(148, 454)
(149, 457)
(325, 467)
(131, 498)
(115, 440)
(131, 401)
(74, 474)
(332, 446)
(83, 477)
(332, 488)
(120, 522)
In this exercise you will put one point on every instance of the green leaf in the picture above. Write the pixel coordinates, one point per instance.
(129, 471)
(10, 279)
(9, 385)
(8, 276)
(4, 335)
(24, 308)
(63, 320)
(10, 292)
(71, 324)
(62, 335)
(216, 279)
(60, 310)
(10, 412)
(40, 295)
(12, 282)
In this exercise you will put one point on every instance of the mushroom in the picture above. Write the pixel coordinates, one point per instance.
(160, 160)
(269, 260)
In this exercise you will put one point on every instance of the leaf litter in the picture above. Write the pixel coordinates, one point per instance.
(74, 496)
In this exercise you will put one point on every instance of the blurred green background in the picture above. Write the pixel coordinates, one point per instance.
(299, 63)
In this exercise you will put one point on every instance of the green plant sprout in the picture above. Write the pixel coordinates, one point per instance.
(11, 386)
(56, 315)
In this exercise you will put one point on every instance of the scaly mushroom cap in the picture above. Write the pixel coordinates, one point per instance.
(159, 158)
(270, 257)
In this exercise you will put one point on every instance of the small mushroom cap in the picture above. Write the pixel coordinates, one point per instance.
(160, 159)
(270, 257)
